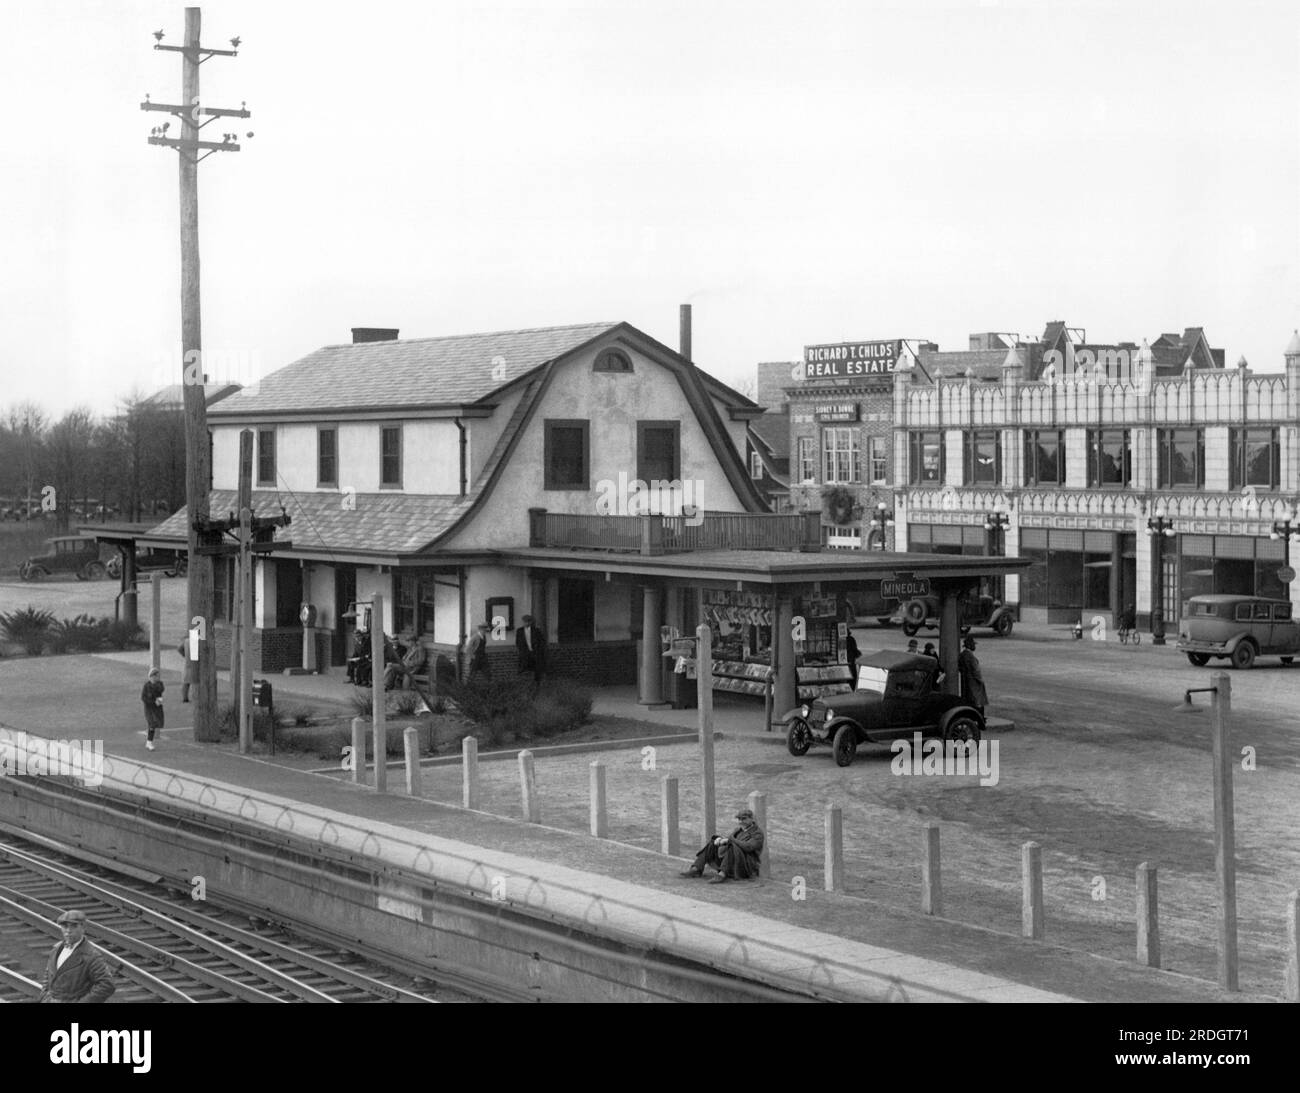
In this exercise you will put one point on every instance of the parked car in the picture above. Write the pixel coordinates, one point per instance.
(895, 696)
(866, 604)
(923, 612)
(1239, 628)
(75, 554)
(174, 563)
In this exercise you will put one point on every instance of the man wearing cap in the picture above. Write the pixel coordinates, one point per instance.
(530, 644)
(476, 653)
(734, 856)
(151, 695)
(914, 646)
(76, 971)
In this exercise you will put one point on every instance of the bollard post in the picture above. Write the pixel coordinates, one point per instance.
(1225, 865)
(469, 772)
(599, 820)
(1291, 992)
(528, 786)
(359, 750)
(411, 745)
(758, 806)
(931, 876)
(670, 839)
(1031, 902)
(1148, 917)
(834, 863)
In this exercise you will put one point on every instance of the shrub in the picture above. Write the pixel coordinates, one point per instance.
(362, 701)
(296, 715)
(483, 700)
(118, 634)
(573, 697)
(28, 628)
(405, 703)
(82, 634)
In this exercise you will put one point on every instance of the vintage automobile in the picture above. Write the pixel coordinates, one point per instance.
(866, 605)
(75, 554)
(895, 697)
(1240, 628)
(923, 612)
(174, 563)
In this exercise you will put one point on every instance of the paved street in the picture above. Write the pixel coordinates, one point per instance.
(1100, 770)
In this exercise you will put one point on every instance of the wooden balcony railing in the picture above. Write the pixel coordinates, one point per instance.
(675, 534)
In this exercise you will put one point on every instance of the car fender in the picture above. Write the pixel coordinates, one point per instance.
(1003, 610)
(1236, 640)
(791, 715)
(961, 711)
(830, 728)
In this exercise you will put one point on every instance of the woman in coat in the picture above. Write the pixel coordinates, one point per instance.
(151, 695)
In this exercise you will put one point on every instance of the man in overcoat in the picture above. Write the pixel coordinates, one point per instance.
(737, 855)
(76, 971)
(972, 680)
(530, 644)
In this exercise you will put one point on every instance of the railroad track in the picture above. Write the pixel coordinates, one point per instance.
(168, 951)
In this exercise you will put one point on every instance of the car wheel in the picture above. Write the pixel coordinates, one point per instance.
(962, 729)
(1004, 626)
(910, 629)
(33, 573)
(1200, 660)
(914, 612)
(96, 571)
(114, 566)
(846, 745)
(799, 739)
(1243, 656)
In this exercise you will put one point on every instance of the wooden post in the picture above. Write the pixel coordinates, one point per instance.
(377, 692)
(670, 840)
(528, 787)
(411, 747)
(198, 461)
(758, 806)
(155, 616)
(1225, 865)
(834, 870)
(931, 874)
(1291, 990)
(359, 750)
(704, 699)
(245, 695)
(1148, 917)
(599, 820)
(469, 772)
(1031, 903)
(243, 500)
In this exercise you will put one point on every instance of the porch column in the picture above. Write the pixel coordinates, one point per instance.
(650, 684)
(537, 604)
(677, 690)
(949, 638)
(130, 612)
(785, 688)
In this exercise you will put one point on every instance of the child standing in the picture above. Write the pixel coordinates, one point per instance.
(151, 695)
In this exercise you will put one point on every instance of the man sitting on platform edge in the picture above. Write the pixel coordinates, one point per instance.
(734, 856)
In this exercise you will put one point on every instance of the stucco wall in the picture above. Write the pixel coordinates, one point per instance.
(613, 403)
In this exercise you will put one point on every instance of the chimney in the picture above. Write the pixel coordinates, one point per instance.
(684, 332)
(362, 334)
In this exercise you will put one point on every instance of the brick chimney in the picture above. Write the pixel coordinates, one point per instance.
(362, 334)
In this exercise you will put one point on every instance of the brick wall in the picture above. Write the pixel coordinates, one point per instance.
(597, 664)
(272, 650)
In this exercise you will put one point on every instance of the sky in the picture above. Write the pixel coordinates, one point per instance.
(800, 172)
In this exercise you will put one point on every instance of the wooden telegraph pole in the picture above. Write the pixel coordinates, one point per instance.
(198, 467)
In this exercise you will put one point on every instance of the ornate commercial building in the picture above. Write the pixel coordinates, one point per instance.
(1130, 475)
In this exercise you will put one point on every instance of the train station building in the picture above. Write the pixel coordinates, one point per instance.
(588, 476)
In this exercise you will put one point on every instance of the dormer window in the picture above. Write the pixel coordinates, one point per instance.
(612, 360)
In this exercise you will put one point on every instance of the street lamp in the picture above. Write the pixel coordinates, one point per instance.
(881, 518)
(1159, 527)
(996, 524)
(1284, 529)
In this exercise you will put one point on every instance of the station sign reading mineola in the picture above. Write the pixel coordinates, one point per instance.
(851, 360)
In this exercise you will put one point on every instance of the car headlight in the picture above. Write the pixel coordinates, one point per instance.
(803, 710)
(830, 714)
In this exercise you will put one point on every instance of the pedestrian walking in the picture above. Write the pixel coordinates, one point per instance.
(852, 653)
(76, 971)
(151, 695)
(972, 681)
(476, 652)
(530, 644)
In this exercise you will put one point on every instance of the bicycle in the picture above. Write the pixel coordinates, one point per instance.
(1130, 633)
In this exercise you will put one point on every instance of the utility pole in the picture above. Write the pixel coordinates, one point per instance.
(241, 682)
(198, 464)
